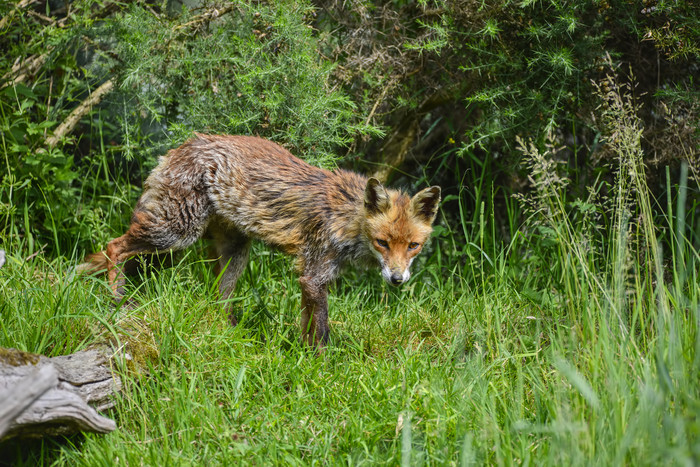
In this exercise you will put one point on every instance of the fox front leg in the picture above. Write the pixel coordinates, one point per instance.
(314, 312)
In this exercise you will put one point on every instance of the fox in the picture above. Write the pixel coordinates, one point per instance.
(232, 190)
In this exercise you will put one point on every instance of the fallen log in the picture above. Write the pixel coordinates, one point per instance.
(41, 396)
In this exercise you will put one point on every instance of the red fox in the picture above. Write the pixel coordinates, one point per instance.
(232, 189)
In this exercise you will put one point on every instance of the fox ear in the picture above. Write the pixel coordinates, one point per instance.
(376, 197)
(425, 204)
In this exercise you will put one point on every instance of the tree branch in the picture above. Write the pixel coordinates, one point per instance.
(22, 70)
(69, 123)
(205, 17)
(20, 6)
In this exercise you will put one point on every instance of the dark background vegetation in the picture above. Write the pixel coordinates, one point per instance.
(414, 92)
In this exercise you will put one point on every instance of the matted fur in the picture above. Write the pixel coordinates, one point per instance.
(232, 189)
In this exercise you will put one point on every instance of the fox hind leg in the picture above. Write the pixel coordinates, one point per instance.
(150, 232)
(119, 252)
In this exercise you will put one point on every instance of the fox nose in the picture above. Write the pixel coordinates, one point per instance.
(396, 278)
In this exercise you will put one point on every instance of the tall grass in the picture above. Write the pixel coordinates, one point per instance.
(574, 344)
(628, 350)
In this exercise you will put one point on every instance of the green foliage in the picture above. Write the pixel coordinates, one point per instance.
(42, 186)
(370, 79)
(482, 74)
(244, 68)
(674, 27)
(252, 70)
(533, 61)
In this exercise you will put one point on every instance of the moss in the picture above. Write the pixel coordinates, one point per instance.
(14, 357)
(134, 348)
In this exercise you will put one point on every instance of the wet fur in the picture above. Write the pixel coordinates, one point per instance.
(232, 189)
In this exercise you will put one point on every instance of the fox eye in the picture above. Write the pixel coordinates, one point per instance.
(383, 243)
(413, 245)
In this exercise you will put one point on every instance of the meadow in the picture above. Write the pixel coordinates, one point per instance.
(572, 346)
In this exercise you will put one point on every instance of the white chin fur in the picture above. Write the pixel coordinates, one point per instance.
(386, 274)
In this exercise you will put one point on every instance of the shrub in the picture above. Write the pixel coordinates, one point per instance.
(242, 68)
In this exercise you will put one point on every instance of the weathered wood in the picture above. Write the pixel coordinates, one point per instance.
(30, 406)
(18, 398)
(59, 412)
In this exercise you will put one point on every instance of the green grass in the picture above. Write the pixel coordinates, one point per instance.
(576, 343)
(443, 371)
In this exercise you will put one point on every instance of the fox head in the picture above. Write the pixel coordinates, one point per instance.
(397, 226)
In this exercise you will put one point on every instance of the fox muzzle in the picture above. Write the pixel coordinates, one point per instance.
(393, 273)
(396, 278)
